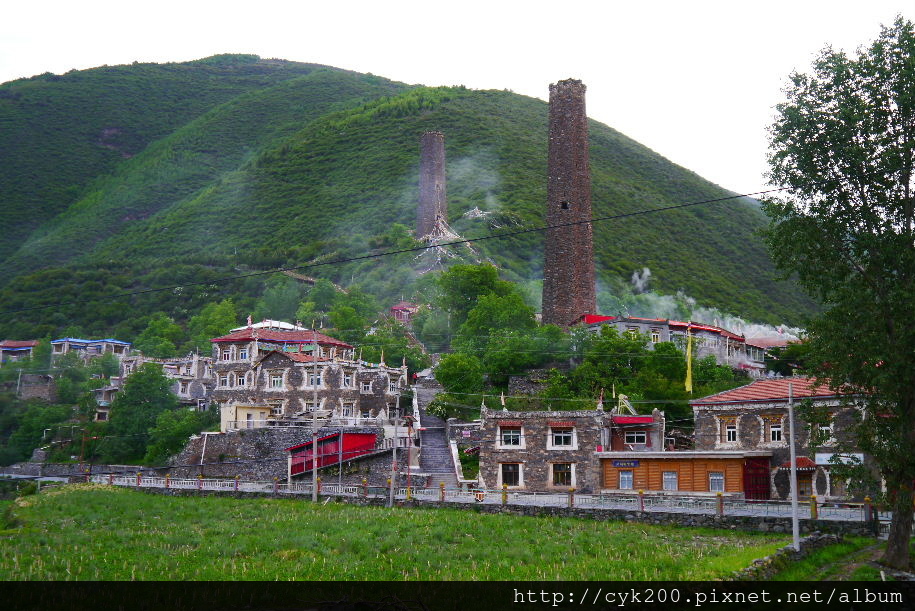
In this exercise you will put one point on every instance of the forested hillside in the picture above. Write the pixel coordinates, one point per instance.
(235, 164)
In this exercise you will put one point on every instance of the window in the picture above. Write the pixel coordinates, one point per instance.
(730, 432)
(562, 474)
(636, 437)
(250, 420)
(276, 407)
(564, 205)
(511, 474)
(347, 380)
(101, 416)
(276, 380)
(775, 432)
(561, 436)
(655, 336)
(825, 431)
(716, 481)
(314, 380)
(625, 480)
(671, 480)
(348, 410)
(243, 354)
(366, 387)
(366, 414)
(225, 355)
(392, 386)
(240, 381)
(510, 435)
(224, 381)
(183, 387)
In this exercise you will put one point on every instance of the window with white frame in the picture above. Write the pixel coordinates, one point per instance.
(276, 380)
(775, 433)
(635, 438)
(366, 387)
(392, 386)
(716, 481)
(243, 354)
(224, 381)
(183, 388)
(314, 379)
(563, 474)
(309, 406)
(510, 474)
(366, 414)
(276, 407)
(347, 379)
(626, 480)
(226, 355)
(561, 438)
(349, 409)
(510, 436)
(671, 480)
(730, 432)
(655, 336)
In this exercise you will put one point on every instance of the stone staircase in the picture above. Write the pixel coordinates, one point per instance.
(435, 453)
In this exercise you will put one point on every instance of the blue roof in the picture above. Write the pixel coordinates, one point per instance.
(74, 340)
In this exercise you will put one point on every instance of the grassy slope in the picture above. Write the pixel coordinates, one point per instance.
(59, 132)
(74, 533)
(268, 179)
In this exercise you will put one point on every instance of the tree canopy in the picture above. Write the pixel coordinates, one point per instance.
(843, 149)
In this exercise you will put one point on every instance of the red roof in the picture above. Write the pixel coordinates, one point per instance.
(286, 337)
(769, 342)
(404, 305)
(633, 419)
(802, 462)
(589, 319)
(15, 343)
(768, 390)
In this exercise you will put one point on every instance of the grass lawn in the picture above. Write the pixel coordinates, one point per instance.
(96, 532)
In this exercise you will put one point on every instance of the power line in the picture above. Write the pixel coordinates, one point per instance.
(406, 250)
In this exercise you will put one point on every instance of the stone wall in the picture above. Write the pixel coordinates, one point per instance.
(568, 267)
(455, 431)
(766, 568)
(743, 523)
(433, 203)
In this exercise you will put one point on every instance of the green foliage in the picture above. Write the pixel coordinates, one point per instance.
(391, 338)
(323, 294)
(788, 361)
(172, 430)
(23, 424)
(280, 299)
(134, 412)
(214, 320)
(845, 226)
(462, 285)
(75, 528)
(160, 338)
(460, 373)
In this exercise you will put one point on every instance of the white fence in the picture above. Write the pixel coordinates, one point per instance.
(856, 512)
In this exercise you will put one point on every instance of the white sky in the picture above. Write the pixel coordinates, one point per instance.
(695, 81)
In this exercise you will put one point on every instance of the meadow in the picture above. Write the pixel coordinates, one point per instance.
(87, 532)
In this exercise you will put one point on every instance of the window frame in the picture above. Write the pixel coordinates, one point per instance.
(629, 475)
(665, 481)
(501, 437)
(570, 473)
(553, 432)
(644, 435)
(520, 474)
(716, 476)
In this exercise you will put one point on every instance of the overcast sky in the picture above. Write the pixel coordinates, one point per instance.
(695, 81)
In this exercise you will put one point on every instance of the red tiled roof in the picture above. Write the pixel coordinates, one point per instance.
(404, 305)
(15, 343)
(770, 389)
(288, 337)
(802, 462)
(769, 342)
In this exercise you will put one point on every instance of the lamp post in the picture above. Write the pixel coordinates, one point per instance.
(314, 421)
(795, 525)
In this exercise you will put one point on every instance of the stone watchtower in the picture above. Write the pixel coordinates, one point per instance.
(432, 203)
(568, 266)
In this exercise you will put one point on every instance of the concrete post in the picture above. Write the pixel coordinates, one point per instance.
(199, 482)
(504, 494)
(167, 480)
(236, 482)
(365, 487)
(571, 497)
(813, 507)
(720, 503)
(441, 491)
(641, 500)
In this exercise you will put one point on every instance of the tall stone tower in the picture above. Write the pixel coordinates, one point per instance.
(568, 262)
(432, 202)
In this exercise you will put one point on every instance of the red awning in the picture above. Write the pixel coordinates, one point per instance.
(803, 464)
(563, 423)
(509, 423)
(633, 419)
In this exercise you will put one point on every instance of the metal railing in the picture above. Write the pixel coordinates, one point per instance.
(709, 505)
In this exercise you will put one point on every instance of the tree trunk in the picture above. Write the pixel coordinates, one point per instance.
(897, 546)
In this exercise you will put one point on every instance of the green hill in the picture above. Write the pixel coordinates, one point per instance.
(276, 163)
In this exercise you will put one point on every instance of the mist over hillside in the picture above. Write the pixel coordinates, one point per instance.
(132, 177)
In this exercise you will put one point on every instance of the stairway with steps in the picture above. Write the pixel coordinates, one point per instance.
(435, 453)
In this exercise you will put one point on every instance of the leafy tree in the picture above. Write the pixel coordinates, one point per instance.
(307, 314)
(462, 285)
(31, 422)
(323, 294)
(391, 337)
(843, 148)
(41, 356)
(160, 338)
(105, 366)
(280, 299)
(172, 430)
(788, 360)
(214, 320)
(460, 373)
(134, 411)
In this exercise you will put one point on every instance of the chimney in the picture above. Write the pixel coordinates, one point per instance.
(568, 268)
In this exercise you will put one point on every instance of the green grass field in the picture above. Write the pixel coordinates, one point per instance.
(95, 532)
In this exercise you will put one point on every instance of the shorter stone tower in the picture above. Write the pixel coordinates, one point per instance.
(568, 261)
(433, 206)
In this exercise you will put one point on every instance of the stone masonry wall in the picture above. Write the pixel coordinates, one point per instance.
(568, 269)
(432, 199)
